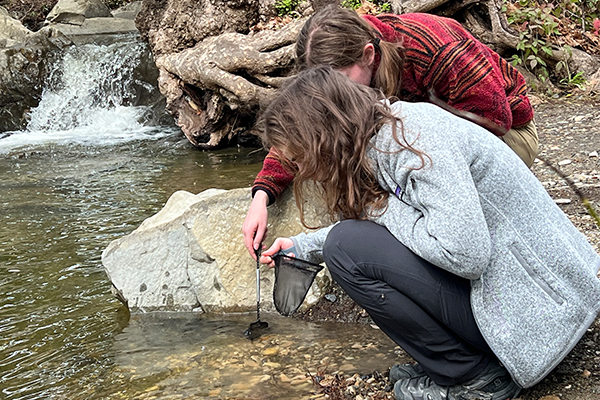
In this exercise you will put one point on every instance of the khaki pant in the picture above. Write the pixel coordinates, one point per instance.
(524, 141)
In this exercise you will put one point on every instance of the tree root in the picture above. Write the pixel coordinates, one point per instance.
(223, 73)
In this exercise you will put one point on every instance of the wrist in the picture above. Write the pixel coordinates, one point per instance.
(260, 196)
(272, 195)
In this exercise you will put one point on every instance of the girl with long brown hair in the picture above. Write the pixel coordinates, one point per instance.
(446, 239)
(415, 57)
(332, 154)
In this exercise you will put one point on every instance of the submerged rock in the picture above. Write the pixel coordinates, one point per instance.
(191, 254)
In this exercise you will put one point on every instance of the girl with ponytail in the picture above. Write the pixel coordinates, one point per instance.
(413, 57)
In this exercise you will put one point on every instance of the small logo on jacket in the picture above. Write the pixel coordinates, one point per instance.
(398, 191)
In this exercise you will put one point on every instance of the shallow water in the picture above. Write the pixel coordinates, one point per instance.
(90, 167)
(63, 335)
(208, 357)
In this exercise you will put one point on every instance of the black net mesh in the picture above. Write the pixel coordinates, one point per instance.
(293, 278)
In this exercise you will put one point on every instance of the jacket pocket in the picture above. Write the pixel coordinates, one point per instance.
(536, 277)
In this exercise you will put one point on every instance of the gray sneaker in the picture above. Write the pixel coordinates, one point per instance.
(405, 371)
(494, 383)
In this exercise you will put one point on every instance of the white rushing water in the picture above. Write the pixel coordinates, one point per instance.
(91, 99)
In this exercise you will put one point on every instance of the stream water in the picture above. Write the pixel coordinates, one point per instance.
(90, 167)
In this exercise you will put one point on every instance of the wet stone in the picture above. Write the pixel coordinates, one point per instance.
(271, 351)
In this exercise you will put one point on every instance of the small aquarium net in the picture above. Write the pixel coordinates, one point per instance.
(293, 278)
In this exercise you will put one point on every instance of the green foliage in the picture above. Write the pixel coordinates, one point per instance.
(576, 80)
(378, 6)
(582, 12)
(387, 7)
(562, 67)
(539, 25)
(353, 4)
(286, 7)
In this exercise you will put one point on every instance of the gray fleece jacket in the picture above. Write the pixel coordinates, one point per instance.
(476, 210)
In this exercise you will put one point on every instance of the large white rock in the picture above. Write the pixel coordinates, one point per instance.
(191, 255)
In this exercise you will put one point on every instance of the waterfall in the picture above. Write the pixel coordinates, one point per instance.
(94, 95)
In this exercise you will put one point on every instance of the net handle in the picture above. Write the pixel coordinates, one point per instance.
(258, 252)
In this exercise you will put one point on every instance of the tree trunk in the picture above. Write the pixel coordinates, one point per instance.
(216, 72)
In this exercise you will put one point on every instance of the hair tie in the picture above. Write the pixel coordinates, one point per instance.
(375, 42)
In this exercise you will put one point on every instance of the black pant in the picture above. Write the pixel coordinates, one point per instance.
(423, 308)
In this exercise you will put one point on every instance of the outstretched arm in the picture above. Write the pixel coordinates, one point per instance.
(274, 177)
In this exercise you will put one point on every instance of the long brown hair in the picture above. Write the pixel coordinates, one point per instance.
(337, 37)
(324, 122)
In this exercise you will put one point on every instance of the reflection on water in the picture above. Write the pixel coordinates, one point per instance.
(61, 206)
